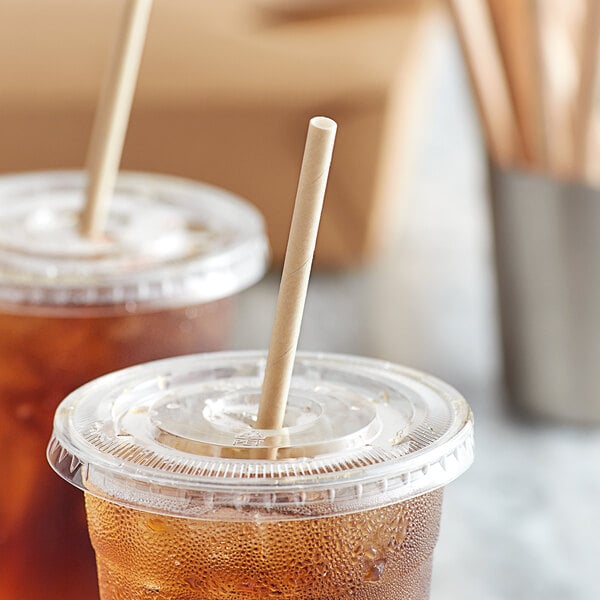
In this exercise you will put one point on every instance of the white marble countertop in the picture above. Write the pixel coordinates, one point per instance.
(524, 522)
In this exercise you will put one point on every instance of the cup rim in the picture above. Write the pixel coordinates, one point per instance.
(239, 261)
(336, 482)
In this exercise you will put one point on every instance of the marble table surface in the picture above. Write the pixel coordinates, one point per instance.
(524, 522)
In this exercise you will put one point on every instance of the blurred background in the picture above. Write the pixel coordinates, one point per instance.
(405, 264)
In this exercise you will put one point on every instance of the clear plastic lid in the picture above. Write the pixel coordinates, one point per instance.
(167, 242)
(176, 437)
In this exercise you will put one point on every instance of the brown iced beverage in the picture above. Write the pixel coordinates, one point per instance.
(72, 310)
(373, 555)
(41, 360)
(182, 505)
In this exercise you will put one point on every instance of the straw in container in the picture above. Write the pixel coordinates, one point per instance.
(296, 271)
(112, 116)
(351, 507)
(161, 281)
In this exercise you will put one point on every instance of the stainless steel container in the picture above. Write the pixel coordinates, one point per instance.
(547, 236)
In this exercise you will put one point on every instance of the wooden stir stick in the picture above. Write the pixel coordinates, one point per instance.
(476, 33)
(112, 116)
(515, 23)
(559, 31)
(588, 76)
(296, 272)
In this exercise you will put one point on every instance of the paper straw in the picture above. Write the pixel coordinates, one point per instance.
(296, 272)
(112, 116)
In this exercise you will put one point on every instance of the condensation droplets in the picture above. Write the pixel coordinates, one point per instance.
(369, 555)
(376, 571)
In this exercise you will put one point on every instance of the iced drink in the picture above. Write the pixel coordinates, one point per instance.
(160, 283)
(186, 499)
(378, 554)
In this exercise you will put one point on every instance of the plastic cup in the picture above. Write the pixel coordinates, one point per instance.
(185, 499)
(159, 283)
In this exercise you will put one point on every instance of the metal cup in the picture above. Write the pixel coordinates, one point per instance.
(547, 239)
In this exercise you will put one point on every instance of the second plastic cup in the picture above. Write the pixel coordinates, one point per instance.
(159, 283)
(185, 499)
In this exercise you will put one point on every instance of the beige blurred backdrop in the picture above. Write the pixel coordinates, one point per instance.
(224, 95)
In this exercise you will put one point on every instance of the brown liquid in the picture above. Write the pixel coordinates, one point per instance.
(377, 554)
(44, 548)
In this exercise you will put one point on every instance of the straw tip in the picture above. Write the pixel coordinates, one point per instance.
(324, 123)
